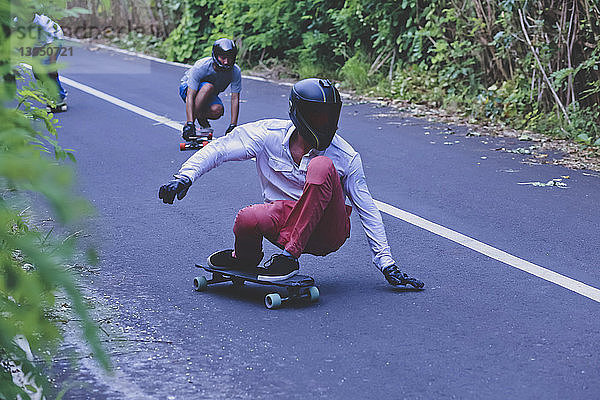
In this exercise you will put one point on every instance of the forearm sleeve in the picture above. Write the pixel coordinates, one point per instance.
(356, 186)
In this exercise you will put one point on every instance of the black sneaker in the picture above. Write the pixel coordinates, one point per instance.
(224, 260)
(278, 268)
(395, 277)
(204, 122)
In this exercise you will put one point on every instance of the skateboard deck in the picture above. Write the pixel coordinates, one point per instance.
(296, 287)
(202, 138)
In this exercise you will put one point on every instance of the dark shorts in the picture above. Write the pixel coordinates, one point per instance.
(183, 94)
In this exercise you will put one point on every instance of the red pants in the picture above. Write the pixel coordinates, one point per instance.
(318, 223)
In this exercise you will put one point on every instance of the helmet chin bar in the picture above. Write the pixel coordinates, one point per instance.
(221, 67)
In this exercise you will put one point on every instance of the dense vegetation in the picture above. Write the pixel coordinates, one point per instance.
(34, 176)
(530, 64)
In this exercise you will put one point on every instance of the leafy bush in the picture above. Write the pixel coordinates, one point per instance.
(356, 72)
(584, 127)
(138, 42)
(512, 61)
(32, 167)
(415, 84)
(190, 40)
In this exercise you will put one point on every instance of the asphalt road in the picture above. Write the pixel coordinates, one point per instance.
(482, 329)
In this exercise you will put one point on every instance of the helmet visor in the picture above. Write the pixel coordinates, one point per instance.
(226, 53)
(321, 119)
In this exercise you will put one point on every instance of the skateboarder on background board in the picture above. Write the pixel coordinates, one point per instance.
(308, 174)
(49, 36)
(200, 87)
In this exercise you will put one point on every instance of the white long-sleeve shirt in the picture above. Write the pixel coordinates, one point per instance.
(50, 30)
(281, 179)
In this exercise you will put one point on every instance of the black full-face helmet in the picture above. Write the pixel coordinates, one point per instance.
(315, 106)
(225, 48)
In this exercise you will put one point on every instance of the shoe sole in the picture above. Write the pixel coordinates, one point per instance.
(271, 278)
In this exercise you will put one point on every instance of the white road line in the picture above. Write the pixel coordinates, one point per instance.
(128, 106)
(492, 252)
(480, 247)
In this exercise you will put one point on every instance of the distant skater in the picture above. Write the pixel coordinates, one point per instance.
(201, 85)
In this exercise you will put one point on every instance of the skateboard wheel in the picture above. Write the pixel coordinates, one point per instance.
(200, 283)
(313, 293)
(182, 146)
(273, 300)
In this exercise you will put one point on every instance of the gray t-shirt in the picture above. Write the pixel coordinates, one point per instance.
(204, 71)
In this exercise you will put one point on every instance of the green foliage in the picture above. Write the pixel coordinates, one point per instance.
(256, 23)
(531, 64)
(311, 58)
(190, 40)
(356, 72)
(584, 127)
(141, 43)
(32, 168)
(416, 84)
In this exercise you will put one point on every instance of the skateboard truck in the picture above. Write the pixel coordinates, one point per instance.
(202, 138)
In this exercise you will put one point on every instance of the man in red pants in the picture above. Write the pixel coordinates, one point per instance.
(307, 174)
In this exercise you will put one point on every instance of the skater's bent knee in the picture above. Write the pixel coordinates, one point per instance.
(245, 220)
(216, 111)
(319, 168)
(321, 162)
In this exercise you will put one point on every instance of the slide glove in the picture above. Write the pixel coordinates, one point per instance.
(231, 126)
(395, 277)
(189, 130)
(178, 186)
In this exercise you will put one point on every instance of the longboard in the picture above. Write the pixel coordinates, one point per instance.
(203, 137)
(297, 286)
